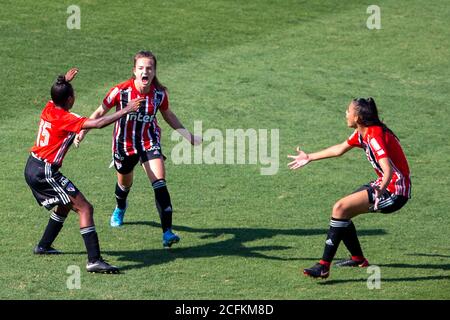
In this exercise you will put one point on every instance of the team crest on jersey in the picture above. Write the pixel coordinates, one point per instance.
(70, 187)
(157, 98)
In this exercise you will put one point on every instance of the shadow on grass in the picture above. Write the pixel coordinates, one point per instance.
(233, 246)
(444, 267)
(432, 255)
(340, 281)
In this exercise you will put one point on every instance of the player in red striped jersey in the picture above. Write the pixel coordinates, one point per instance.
(49, 186)
(387, 194)
(136, 138)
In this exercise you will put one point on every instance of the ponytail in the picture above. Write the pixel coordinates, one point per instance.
(368, 114)
(61, 91)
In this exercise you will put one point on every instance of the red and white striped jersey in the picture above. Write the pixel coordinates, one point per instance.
(137, 131)
(57, 129)
(379, 144)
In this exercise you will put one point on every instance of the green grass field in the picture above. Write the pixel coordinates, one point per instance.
(286, 65)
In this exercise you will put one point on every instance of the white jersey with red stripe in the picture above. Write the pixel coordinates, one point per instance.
(57, 129)
(139, 131)
(379, 144)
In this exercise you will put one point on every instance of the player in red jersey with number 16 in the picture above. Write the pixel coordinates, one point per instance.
(387, 194)
(49, 186)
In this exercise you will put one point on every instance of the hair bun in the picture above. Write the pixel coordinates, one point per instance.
(61, 79)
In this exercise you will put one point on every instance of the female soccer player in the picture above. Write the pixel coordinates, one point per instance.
(137, 138)
(49, 186)
(387, 194)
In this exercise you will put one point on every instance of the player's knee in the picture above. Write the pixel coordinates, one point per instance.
(87, 209)
(339, 210)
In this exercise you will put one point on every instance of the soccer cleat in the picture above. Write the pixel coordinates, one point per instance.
(352, 263)
(101, 266)
(317, 271)
(169, 238)
(117, 217)
(41, 250)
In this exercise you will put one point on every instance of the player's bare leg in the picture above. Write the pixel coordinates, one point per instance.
(342, 228)
(156, 173)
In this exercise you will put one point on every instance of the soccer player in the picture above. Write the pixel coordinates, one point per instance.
(49, 186)
(137, 138)
(387, 194)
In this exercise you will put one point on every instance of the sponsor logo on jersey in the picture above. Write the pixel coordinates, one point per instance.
(140, 117)
(46, 202)
(63, 181)
(155, 148)
(157, 98)
(118, 156)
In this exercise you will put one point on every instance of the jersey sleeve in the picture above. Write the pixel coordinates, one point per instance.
(112, 98)
(378, 146)
(165, 102)
(72, 122)
(353, 140)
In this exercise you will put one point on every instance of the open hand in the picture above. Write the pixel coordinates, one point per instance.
(71, 74)
(377, 198)
(79, 137)
(300, 160)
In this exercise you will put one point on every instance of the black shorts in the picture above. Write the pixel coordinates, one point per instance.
(49, 186)
(125, 164)
(389, 202)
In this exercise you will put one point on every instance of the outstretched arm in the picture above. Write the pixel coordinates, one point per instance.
(302, 158)
(173, 121)
(98, 113)
(132, 106)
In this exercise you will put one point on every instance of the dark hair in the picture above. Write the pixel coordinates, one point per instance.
(150, 55)
(368, 114)
(61, 91)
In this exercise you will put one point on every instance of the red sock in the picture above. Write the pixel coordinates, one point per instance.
(325, 263)
(357, 258)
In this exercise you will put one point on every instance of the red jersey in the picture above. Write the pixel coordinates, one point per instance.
(379, 144)
(138, 131)
(57, 129)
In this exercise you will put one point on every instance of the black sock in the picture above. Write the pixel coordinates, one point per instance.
(121, 195)
(54, 226)
(351, 241)
(91, 242)
(336, 233)
(163, 204)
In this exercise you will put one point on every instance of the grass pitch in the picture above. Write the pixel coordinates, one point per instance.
(287, 65)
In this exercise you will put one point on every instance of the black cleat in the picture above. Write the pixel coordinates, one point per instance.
(42, 250)
(352, 263)
(101, 266)
(317, 271)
